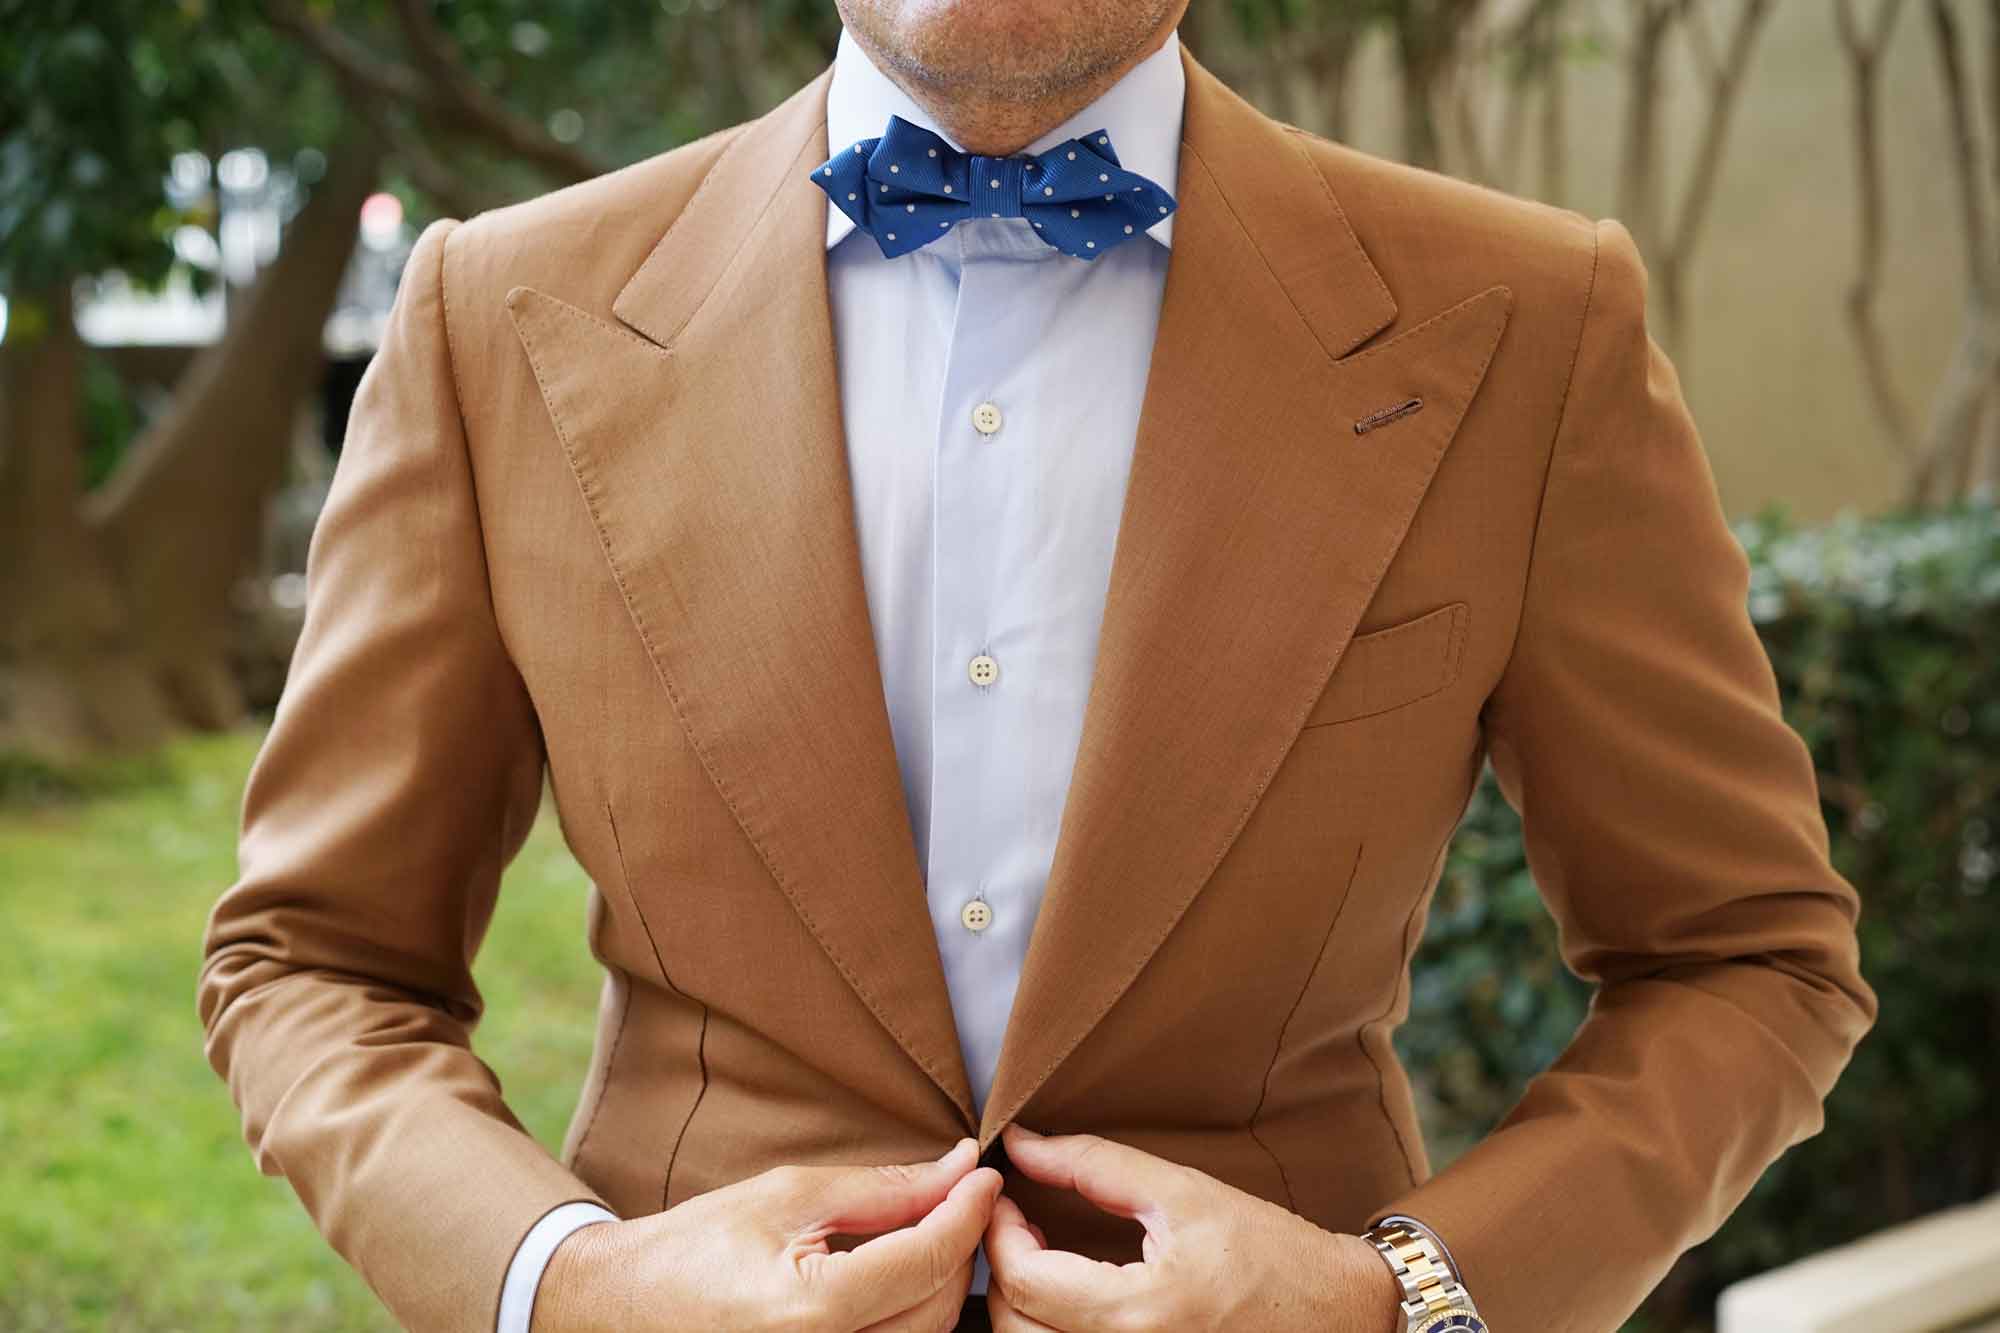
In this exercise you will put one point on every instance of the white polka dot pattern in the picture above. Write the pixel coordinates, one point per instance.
(921, 177)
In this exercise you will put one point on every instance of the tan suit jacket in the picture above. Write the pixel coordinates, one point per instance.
(594, 512)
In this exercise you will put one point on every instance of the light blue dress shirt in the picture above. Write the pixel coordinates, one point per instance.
(990, 393)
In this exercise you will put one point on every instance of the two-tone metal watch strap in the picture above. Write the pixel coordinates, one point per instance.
(1423, 1229)
(1429, 1286)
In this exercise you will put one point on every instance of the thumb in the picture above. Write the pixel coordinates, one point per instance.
(1116, 1177)
(862, 1200)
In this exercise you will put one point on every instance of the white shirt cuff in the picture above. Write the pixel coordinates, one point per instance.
(524, 1274)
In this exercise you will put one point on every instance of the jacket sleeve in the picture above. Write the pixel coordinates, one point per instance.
(1672, 824)
(399, 777)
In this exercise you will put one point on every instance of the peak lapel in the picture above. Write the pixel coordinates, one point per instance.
(705, 434)
(1256, 527)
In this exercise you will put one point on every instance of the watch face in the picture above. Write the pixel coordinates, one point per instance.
(1451, 1321)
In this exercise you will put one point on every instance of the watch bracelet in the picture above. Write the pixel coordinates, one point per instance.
(1426, 1279)
(1415, 1224)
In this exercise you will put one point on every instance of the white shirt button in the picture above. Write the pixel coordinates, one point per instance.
(986, 418)
(983, 670)
(975, 916)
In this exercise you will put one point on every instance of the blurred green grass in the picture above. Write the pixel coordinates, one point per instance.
(128, 1201)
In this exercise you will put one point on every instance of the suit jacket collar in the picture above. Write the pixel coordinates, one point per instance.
(704, 431)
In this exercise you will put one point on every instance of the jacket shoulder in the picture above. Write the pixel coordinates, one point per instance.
(581, 240)
(1437, 239)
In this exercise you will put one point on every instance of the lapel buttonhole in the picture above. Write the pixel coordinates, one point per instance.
(1387, 415)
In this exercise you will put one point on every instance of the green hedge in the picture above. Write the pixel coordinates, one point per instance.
(1885, 634)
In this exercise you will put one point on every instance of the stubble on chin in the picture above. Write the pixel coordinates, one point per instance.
(985, 55)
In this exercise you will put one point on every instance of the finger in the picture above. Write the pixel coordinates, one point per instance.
(1006, 1219)
(936, 1313)
(1114, 1176)
(1056, 1287)
(862, 1200)
(1006, 1319)
(892, 1272)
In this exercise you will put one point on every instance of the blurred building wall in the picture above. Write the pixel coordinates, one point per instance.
(1772, 372)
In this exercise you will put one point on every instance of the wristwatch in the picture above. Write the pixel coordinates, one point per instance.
(1434, 1300)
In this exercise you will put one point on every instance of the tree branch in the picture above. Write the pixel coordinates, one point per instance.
(1864, 53)
(479, 112)
(353, 61)
(1638, 177)
(454, 103)
(1724, 93)
(450, 188)
(1964, 149)
(1955, 413)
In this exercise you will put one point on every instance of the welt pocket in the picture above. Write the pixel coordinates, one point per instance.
(1397, 665)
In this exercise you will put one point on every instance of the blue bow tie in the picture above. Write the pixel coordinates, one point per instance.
(909, 187)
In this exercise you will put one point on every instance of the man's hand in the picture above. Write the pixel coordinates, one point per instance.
(754, 1255)
(1214, 1257)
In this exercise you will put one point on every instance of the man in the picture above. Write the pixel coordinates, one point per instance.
(1023, 678)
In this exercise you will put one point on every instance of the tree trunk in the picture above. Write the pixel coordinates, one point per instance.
(115, 609)
(1864, 45)
(71, 677)
(182, 519)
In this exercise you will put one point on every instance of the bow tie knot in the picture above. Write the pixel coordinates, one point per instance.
(910, 186)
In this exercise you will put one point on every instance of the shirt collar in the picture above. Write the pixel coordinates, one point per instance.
(1141, 112)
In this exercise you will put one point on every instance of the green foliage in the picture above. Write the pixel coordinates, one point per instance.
(623, 80)
(1491, 1001)
(1885, 636)
(99, 96)
(1886, 639)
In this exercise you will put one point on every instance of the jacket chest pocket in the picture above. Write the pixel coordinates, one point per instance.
(1394, 666)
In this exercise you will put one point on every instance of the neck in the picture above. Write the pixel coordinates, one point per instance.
(998, 125)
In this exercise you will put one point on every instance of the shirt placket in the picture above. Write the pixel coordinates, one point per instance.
(982, 687)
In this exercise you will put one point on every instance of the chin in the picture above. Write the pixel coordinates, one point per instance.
(1002, 46)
